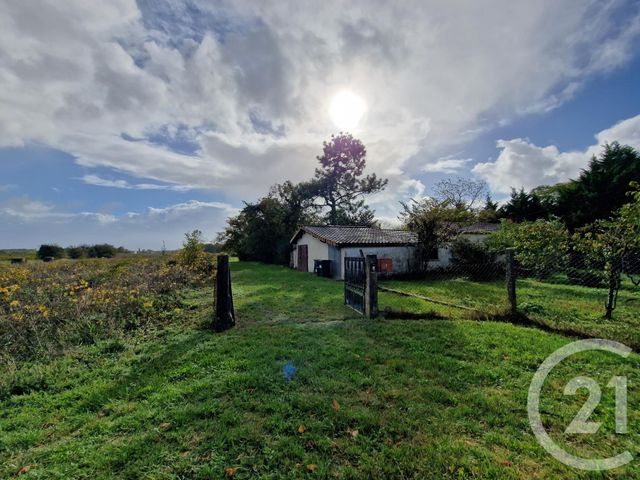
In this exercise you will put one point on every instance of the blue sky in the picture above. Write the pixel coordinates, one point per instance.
(133, 123)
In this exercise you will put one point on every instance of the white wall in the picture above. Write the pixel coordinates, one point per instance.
(317, 250)
(401, 256)
(444, 253)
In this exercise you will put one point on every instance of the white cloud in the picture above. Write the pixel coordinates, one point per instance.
(446, 165)
(253, 96)
(105, 182)
(521, 164)
(24, 218)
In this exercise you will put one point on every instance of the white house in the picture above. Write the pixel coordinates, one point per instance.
(395, 249)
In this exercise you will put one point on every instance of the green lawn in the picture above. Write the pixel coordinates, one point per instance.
(568, 308)
(369, 399)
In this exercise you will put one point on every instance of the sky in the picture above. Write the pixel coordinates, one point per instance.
(134, 122)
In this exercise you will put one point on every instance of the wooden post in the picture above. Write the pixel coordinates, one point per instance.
(511, 280)
(371, 287)
(225, 316)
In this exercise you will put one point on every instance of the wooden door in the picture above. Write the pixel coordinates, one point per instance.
(303, 258)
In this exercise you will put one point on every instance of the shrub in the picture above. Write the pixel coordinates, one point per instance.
(542, 247)
(52, 251)
(194, 257)
(474, 259)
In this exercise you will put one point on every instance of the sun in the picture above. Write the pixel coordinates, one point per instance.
(346, 109)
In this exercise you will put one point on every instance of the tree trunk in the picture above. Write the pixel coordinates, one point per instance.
(614, 287)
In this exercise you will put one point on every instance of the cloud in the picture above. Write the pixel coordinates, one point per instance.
(446, 165)
(249, 83)
(104, 182)
(25, 218)
(6, 188)
(521, 164)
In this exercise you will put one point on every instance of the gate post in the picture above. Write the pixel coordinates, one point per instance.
(225, 316)
(371, 287)
(511, 280)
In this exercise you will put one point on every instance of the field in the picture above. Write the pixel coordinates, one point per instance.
(302, 387)
(571, 309)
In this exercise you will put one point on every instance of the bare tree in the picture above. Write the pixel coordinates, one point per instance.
(461, 192)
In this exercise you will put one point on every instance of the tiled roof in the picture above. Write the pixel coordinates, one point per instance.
(342, 236)
(480, 227)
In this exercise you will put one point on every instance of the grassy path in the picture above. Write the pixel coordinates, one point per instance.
(368, 399)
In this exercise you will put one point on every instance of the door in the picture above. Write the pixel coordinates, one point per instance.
(303, 258)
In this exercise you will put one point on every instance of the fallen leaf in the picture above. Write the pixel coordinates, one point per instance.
(312, 467)
(157, 439)
(335, 405)
(301, 429)
(230, 471)
(506, 463)
(185, 454)
(24, 470)
(353, 433)
(165, 425)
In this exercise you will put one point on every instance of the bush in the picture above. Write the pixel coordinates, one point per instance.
(194, 257)
(542, 247)
(103, 250)
(474, 259)
(52, 251)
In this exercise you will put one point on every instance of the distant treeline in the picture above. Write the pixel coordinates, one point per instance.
(101, 250)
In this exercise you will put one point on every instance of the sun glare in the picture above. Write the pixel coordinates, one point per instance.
(346, 110)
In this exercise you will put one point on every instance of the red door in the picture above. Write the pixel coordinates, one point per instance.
(303, 257)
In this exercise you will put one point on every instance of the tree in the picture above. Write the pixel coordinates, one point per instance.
(435, 223)
(340, 184)
(460, 192)
(541, 246)
(80, 251)
(102, 250)
(601, 189)
(489, 212)
(262, 230)
(523, 207)
(50, 251)
(609, 241)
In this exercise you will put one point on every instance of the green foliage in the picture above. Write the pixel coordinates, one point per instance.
(607, 242)
(523, 207)
(601, 189)
(50, 251)
(541, 246)
(194, 257)
(474, 259)
(489, 213)
(435, 222)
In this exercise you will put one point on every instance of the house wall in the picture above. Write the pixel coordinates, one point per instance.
(317, 250)
(401, 256)
(444, 253)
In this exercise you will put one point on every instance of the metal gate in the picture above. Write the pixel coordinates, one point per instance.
(355, 280)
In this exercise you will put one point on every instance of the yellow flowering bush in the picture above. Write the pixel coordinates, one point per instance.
(47, 306)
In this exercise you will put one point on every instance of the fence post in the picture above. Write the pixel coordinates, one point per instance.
(225, 316)
(511, 280)
(371, 287)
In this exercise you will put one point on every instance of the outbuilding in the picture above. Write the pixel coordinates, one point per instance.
(311, 244)
(326, 247)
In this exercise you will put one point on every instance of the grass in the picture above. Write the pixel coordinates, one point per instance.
(369, 399)
(563, 307)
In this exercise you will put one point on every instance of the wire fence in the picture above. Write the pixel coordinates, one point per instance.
(569, 292)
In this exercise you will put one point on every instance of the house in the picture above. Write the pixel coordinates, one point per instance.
(395, 249)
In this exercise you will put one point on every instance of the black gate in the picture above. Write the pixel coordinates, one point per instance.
(355, 280)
